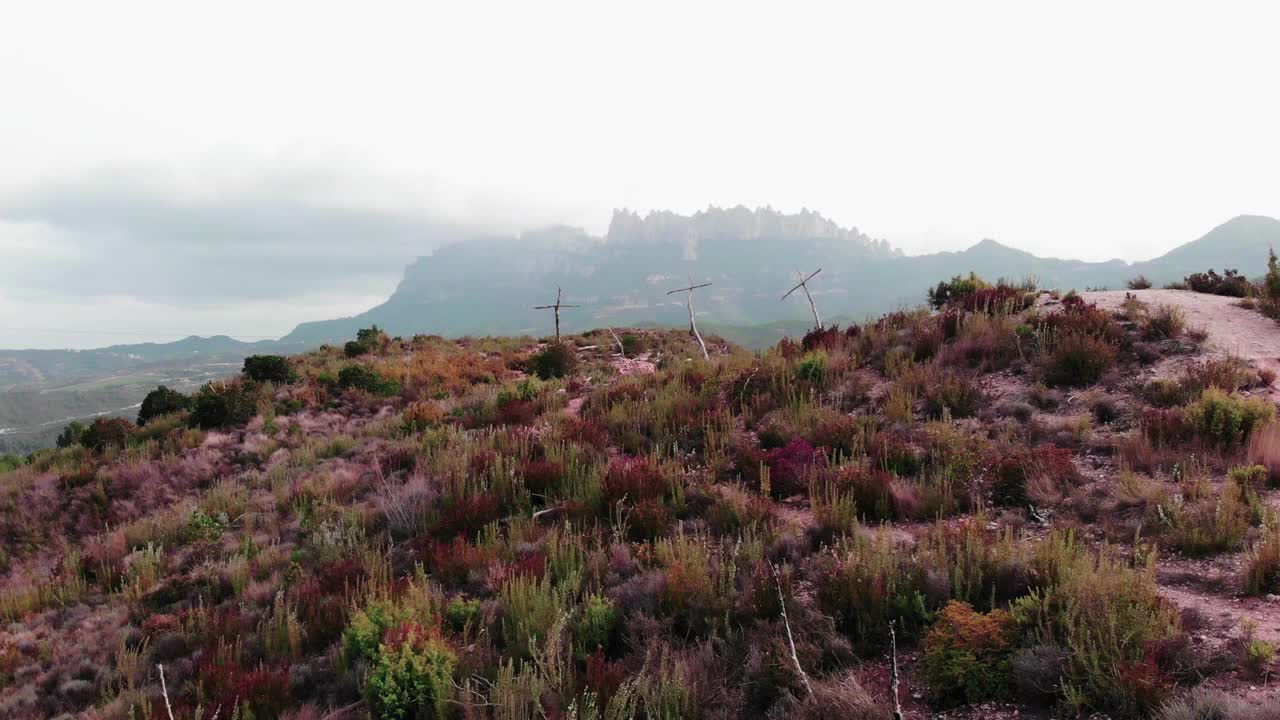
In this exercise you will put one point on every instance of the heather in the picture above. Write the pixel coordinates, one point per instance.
(989, 494)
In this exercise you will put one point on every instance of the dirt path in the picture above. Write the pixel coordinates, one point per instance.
(1232, 329)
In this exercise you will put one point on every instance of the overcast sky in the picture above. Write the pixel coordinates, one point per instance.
(245, 166)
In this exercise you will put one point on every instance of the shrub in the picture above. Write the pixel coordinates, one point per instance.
(104, 433)
(790, 467)
(633, 344)
(219, 404)
(1078, 359)
(954, 394)
(1110, 616)
(1262, 570)
(1205, 703)
(1021, 476)
(364, 377)
(1139, 282)
(1212, 525)
(162, 401)
(1165, 322)
(1164, 393)
(956, 287)
(367, 340)
(967, 655)
(870, 489)
(421, 415)
(556, 360)
(1037, 673)
(273, 368)
(596, 626)
(865, 583)
(1224, 419)
(812, 367)
(1230, 283)
(71, 435)
(412, 677)
(1264, 450)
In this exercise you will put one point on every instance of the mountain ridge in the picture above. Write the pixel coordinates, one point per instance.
(746, 254)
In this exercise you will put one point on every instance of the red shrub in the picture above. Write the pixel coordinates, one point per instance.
(790, 467)
(586, 432)
(1013, 474)
(452, 563)
(649, 519)
(634, 479)
(468, 514)
(993, 300)
(604, 676)
(541, 476)
(870, 488)
(1164, 426)
(517, 412)
(828, 338)
(265, 689)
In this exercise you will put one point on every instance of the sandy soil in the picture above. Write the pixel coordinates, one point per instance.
(1232, 329)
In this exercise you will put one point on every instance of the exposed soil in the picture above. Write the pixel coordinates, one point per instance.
(1232, 330)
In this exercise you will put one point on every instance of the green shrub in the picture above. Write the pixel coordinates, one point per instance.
(367, 340)
(10, 462)
(1108, 616)
(1163, 323)
(556, 360)
(162, 401)
(952, 393)
(967, 655)
(633, 344)
(412, 678)
(957, 286)
(273, 368)
(1139, 282)
(364, 377)
(812, 367)
(1164, 392)
(71, 435)
(596, 626)
(1078, 359)
(220, 404)
(1214, 524)
(1223, 419)
(463, 614)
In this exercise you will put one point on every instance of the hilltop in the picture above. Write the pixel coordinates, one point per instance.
(1033, 502)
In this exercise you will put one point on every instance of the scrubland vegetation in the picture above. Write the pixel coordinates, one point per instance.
(422, 528)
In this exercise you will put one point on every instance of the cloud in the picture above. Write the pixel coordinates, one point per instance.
(119, 234)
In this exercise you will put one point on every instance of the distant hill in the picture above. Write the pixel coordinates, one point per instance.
(489, 285)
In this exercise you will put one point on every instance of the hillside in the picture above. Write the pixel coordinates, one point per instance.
(1034, 505)
(489, 285)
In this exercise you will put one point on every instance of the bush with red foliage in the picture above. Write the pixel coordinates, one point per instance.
(893, 452)
(648, 520)
(1079, 317)
(105, 433)
(1165, 426)
(791, 466)
(467, 514)
(541, 475)
(323, 600)
(228, 685)
(453, 562)
(994, 300)
(604, 676)
(870, 488)
(1010, 473)
(828, 338)
(633, 479)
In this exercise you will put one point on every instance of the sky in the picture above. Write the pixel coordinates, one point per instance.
(173, 168)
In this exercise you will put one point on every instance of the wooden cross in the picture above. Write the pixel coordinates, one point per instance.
(817, 322)
(556, 307)
(693, 325)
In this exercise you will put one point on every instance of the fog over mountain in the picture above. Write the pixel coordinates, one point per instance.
(751, 256)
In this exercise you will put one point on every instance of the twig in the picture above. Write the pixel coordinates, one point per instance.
(621, 351)
(787, 624)
(164, 690)
(893, 684)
